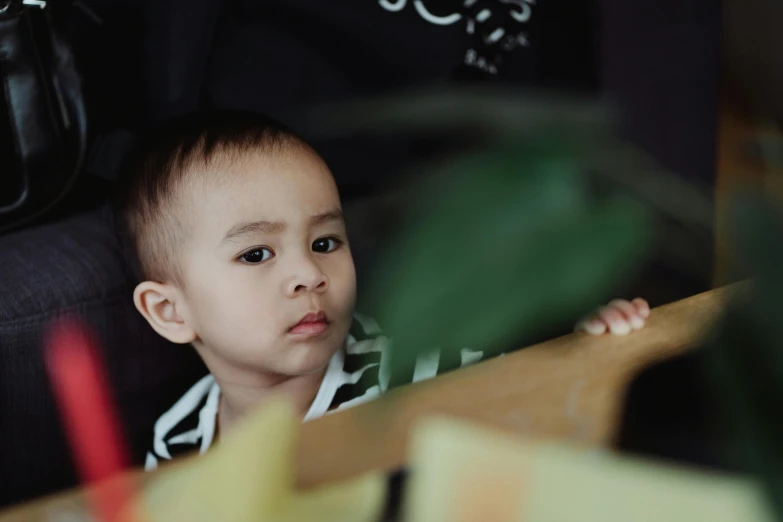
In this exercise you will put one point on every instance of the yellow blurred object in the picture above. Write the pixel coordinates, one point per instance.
(248, 477)
(463, 473)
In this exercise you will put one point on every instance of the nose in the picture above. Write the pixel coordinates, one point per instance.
(307, 277)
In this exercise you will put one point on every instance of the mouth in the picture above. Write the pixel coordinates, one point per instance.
(310, 325)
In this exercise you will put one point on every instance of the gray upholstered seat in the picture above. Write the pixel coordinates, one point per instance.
(73, 267)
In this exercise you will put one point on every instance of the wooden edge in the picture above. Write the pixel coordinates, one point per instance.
(568, 388)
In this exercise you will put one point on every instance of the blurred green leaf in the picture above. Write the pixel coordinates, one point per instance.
(537, 223)
(501, 243)
(747, 354)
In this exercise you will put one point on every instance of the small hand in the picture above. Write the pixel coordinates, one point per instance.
(619, 317)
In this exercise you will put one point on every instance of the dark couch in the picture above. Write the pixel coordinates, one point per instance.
(75, 267)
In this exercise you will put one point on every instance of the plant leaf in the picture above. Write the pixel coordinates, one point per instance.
(501, 243)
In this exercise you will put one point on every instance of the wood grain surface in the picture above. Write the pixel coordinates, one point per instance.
(568, 388)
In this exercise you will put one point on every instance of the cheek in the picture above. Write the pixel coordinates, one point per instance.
(235, 312)
(342, 280)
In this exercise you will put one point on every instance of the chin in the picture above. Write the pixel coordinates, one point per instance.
(313, 357)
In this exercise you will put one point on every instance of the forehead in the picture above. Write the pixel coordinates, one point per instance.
(284, 186)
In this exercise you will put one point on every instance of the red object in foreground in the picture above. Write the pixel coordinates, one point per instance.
(81, 389)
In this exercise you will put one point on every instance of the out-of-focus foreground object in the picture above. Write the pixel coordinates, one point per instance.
(462, 473)
(249, 477)
(745, 349)
(81, 387)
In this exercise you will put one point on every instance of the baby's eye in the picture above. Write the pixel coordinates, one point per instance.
(256, 256)
(326, 244)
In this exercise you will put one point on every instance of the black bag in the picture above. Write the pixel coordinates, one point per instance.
(43, 123)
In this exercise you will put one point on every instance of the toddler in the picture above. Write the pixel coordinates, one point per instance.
(235, 228)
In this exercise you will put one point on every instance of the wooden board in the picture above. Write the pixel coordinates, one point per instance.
(568, 388)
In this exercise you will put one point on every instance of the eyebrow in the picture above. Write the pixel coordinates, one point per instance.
(326, 217)
(271, 227)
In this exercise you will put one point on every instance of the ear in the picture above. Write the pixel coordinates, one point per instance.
(158, 304)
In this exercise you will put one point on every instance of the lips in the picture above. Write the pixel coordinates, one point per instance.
(311, 324)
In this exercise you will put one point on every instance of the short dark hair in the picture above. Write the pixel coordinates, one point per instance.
(156, 167)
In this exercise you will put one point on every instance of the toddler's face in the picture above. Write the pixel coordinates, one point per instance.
(269, 278)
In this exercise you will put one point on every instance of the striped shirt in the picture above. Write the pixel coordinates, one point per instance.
(357, 374)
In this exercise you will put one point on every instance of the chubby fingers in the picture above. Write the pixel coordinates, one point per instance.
(642, 307)
(629, 314)
(619, 317)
